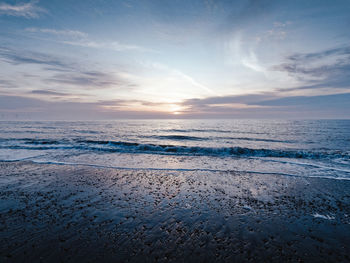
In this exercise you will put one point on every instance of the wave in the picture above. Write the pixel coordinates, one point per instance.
(42, 142)
(198, 130)
(33, 141)
(26, 132)
(177, 137)
(134, 147)
(196, 138)
(257, 139)
(212, 131)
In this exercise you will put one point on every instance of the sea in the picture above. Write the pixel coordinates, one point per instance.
(301, 148)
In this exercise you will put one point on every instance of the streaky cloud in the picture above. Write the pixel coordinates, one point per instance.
(115, 46)
(49, 93)
(340, 101)
(271, 104)
(86, 79)
(242, 99)
(4, 83)
(329, 68)
(300, 63)
(27, 10)
(33, 108)
(16, 57)
(66, 32)
(64, 71)
(318, 55)
(82, 39)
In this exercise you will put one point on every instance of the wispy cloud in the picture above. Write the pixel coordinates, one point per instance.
(179, 75)
(116, 46)
(327, 68)
(21, 57)
(270, 105)
(68, 33)
(5, 83)
(226, 103)
(319, 55)
(82, 39)
(244, 106)
(49, 93)
(33, 108)
(335, 101)
(27, 10)
(63, 71)
(91, 79)
(252, 63)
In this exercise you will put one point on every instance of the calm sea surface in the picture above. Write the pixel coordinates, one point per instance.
(317, 148)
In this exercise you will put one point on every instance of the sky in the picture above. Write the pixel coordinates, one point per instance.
(110, 59)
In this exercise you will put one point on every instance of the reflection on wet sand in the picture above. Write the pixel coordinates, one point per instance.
(65, 213)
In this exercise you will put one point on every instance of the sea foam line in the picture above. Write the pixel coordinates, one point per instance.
(178, 169)
(305, 164)
(133, 147)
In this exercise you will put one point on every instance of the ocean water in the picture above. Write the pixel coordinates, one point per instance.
(303, 148)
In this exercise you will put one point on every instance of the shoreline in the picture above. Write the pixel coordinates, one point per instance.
(68, 213)
(98, 166)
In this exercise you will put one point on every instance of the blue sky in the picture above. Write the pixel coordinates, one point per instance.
(107, 59)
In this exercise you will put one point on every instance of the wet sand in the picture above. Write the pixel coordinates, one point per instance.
(62, 213)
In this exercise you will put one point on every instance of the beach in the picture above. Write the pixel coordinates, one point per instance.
(174, 131)
(71, 213)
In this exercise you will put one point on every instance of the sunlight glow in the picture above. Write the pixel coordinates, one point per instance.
(175, 109)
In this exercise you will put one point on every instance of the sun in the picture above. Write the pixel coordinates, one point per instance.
(175, 109)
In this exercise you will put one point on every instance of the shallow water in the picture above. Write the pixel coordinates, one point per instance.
(314, 148)
(64, 213)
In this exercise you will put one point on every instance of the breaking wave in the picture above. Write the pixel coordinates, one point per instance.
(133, 147)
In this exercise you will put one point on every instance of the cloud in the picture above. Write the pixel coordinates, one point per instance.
(328, 68)
(322, 102)
(244, 106)
(226, 104)
(240, 99)
(4, 83)
(271, 105)
(306, 57)
(116, 46)
(277, 33)
(117, 102)
(67, 32)
(317, 62)
(81, 39)
(49, 93)
(91, 79)
(18, 103)
(178, 76)
(66, 72)
(27, 10)
(25, 57)
(12, 107)
(252, 63)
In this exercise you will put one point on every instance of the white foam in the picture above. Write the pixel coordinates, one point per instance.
(327, 217)
(306, 164)
(181, 169)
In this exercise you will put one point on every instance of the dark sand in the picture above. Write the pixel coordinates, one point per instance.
(57, 213)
